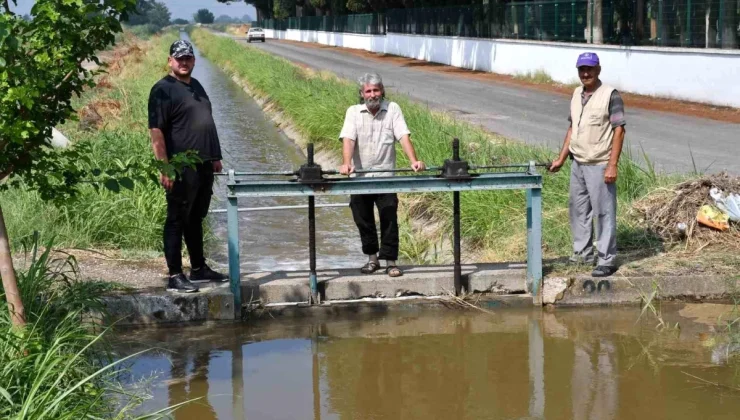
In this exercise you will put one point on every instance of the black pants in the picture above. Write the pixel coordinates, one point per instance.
(362, 212)
(187, 206)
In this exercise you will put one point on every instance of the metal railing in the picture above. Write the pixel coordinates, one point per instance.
(666, 23)
(369, 23)
(455, 176)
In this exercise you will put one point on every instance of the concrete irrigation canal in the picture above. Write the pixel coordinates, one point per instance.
(292, 338)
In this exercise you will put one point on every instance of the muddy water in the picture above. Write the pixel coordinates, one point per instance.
(569, 364)
(270, 240)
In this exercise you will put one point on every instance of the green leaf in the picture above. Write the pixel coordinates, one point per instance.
(2, 62)
(126, 183)
(112, 185)
(6, 395)
(153, 178)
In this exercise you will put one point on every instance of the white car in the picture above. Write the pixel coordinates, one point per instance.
(255, 34)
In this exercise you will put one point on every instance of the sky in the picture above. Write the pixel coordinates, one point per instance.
(184, 9)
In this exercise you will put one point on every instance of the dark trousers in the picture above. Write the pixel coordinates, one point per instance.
(187, 206)
(363, 213)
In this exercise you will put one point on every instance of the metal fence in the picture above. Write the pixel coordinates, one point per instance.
(670, 23)
(370, 23)
(675, 23)
(540, 20)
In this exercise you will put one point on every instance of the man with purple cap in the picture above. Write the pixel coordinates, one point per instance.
(181, 120)
(593, 143)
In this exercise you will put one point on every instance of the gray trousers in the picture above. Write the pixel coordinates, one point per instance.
(590, 196)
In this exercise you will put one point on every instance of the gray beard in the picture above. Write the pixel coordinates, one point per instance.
(373, 103)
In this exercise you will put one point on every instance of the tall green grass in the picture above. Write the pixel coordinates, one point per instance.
(492, 221)
(58, 366)
(97, 218)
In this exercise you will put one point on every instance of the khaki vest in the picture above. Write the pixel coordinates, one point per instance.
(592, 132)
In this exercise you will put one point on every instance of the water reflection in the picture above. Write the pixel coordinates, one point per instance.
(594, 382)
(570, 365)
(190, 381)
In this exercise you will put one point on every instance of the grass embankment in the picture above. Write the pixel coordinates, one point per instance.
(58, 367)
(113, 119)
(493, 222)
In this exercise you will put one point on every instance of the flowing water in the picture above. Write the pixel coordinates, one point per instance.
(568, 364)
(269, 240)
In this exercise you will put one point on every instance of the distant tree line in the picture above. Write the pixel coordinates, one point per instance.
(205, 16)
(156, 16)
(151, 13)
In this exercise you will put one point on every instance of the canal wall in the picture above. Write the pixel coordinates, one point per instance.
(697, 75)
(490, 287)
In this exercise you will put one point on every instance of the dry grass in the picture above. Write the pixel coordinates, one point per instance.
(665, 208)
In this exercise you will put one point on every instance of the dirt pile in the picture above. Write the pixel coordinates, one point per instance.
(93, 115)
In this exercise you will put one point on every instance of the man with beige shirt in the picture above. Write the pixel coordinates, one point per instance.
(594, 143)
(369, 135)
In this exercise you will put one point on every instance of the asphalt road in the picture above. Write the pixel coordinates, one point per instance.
(534, 116)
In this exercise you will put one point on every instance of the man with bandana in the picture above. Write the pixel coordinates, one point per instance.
(369, 135)
(180, 120)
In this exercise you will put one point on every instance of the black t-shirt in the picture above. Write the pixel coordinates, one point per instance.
(183, 113)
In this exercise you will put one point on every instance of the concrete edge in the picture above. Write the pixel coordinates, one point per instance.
(588, 291)
(216, 302)
(383, 306)
(212, 303)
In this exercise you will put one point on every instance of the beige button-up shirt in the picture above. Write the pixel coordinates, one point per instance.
(375, 136)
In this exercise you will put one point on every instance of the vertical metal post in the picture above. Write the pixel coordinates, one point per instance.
(456, 223)
(313, 282)
(591, 4)
(572, 20)
(312, 250)
(232, 227)
(660, 22)
(636, 31)
(721, 28)
(540, 19)
(687, 36)
(534, 243)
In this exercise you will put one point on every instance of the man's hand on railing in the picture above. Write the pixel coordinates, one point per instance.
(418, 166)
(346, 169)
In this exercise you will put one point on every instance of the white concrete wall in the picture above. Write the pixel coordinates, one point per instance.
(700, 75)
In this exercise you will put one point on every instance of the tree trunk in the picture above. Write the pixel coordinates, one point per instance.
(729, 25)
(594, 22)
(15, 304)
(710, 40)
(640, 21)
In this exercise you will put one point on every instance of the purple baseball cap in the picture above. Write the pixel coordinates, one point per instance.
(588, 59)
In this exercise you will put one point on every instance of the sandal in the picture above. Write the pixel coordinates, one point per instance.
(370, 267)
(393, 271)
